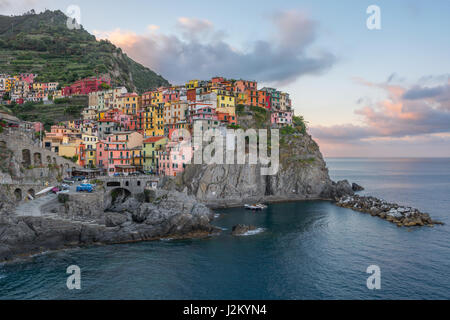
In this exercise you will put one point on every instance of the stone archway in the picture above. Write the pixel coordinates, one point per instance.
(37, 159)
(32, 193)
(49, 160)
(119, 195)
(18, 194)
(54, 161)
(26, 158)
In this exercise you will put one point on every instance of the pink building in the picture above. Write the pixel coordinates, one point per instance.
(115, 153)
(27, 77)
(171, 95)
(38, 126)
(174, 159)
(85, 86)
(202, 111)
(281, 118)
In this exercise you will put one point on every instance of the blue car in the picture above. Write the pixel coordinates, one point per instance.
(85, 188)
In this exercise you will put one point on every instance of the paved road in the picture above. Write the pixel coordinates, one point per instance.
(33, 207)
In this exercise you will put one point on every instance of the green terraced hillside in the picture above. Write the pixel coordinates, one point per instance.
(42, 44)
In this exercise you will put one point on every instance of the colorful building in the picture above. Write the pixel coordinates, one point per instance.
(151, 149)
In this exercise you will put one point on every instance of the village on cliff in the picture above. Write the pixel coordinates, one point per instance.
(122, 133)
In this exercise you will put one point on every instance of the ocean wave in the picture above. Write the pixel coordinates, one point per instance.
(253, 232)
(2, 276)
(217, 215)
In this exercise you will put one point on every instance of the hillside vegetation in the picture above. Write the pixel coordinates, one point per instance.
(50, 114)
(42, 44)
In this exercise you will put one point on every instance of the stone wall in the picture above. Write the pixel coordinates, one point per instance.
(25, 162)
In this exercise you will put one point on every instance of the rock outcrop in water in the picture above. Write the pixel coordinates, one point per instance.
(400, 215)
(241, 229)
(64, 225)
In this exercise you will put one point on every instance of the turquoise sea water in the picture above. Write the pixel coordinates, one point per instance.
(306, 250)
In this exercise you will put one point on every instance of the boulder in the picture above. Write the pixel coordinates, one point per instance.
(241, 229)
(356, 187)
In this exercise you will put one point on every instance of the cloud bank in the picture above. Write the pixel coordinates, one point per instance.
(408, 114)
(201, 51)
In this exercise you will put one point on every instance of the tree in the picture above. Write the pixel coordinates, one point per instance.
(299, 123)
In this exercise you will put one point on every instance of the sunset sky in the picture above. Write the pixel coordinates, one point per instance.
(364, 93)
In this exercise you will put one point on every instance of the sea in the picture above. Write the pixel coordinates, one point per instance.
(301, 250)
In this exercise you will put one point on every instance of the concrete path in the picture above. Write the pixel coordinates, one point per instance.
(33, 207)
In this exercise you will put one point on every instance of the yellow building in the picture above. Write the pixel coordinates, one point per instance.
(57, 94)
(241, 98)
(67, 150)
(91, 157)
(151, 149)
(89, 140)
(157, 97)
(130, 103)
(9, 84)
(37, 86)
(154, 121)
(136, 157)
(192, 84)
(226, 101)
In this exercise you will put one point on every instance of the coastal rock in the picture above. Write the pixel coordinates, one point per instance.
(394, 213)
(302, 175)
(174, 215)
(114, 219)
(356, 187)
(241, 229)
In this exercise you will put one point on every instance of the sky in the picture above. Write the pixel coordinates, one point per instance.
(364, 93)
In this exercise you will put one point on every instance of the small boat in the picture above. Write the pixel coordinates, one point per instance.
(255, 207)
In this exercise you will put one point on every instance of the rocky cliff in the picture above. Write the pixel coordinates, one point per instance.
(73, 221)
(302, 175)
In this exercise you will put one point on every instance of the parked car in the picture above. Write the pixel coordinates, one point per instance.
(85, 187)
(118, 174)
(134, 174)
(55, 190)
(79, 178)
(69, 181)
(65, 187)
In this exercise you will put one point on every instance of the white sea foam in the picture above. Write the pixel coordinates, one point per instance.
(216, 215)
(253, 232)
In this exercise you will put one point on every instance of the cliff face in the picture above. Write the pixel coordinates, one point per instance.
(302, 175)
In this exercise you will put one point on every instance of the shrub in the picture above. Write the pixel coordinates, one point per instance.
(299, 124)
